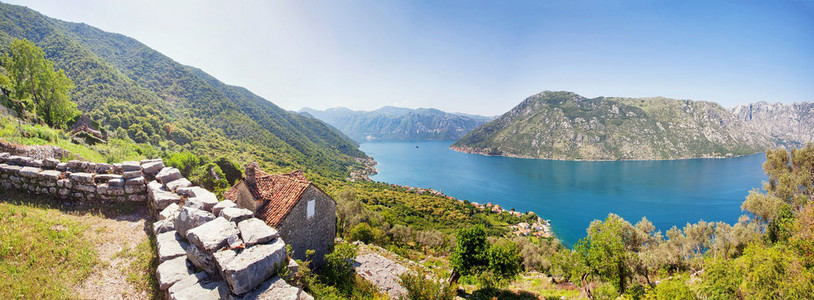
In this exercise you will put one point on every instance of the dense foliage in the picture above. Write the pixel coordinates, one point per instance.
(137, 93)
(32, 84)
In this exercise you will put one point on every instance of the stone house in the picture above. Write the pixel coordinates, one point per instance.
(303, 214)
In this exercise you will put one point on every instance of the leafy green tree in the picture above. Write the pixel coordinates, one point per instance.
(470, 254)
(791, 175)
(603, 252)
(34, 81)
(504, 263)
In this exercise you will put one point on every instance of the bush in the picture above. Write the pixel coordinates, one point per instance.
(338, 268)
(422, 287)
(362, 232)
(672, 288)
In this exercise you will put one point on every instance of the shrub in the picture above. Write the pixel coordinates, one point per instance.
(420, 286)
(362, 232)
(339, 269)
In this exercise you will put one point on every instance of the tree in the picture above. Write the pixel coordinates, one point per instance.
(603, 252)
(791, 175)
(504, 263)
(35, 83)
(469, 256)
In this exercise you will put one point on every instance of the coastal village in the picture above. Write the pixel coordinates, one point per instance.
(541, 228)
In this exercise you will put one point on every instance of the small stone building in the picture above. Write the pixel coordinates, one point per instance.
(302, 213)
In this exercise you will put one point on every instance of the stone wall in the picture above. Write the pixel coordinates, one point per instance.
(77, 180)
(207, 249)
(36, 152)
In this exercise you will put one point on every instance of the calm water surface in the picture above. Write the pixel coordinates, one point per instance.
(572, 194)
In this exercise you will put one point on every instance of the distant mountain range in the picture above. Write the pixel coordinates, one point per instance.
(789, 125)
(564, 125)
(397, 123)
(136, 91)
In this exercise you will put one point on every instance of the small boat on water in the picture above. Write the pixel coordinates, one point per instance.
(416, 146)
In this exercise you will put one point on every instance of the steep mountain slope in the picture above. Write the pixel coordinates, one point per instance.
(156, 98)
(397, 123)
(564, 125)
(787, 124)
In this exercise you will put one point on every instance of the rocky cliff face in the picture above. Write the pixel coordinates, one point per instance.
(786, 124)
(394, 123)
(564, 125)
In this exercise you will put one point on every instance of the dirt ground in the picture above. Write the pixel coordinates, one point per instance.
(115, 235)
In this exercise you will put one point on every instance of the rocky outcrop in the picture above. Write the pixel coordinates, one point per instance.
(564, 125)
(381, 272)
(790, 125)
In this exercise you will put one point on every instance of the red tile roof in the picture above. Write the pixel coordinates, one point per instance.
(278, 192)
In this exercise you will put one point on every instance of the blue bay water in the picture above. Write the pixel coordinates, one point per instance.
(572, 194)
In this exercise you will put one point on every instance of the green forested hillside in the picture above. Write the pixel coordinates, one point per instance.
(564, 125)
(136, 91)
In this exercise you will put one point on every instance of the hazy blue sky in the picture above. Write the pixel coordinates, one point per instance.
(471, 56)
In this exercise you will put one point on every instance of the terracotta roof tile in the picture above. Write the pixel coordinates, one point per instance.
(278, 192)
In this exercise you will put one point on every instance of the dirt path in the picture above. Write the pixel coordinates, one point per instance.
(116, 240)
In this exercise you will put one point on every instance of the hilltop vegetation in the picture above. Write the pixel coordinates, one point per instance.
(395, 123)
(564, 125)
(138, 94)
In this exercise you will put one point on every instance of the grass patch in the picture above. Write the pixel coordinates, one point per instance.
(43, 252)
(116, 150)
(144, 262)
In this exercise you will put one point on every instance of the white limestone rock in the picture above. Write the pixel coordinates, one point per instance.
(236, 214)
(221, 205)
(188, 281)
(131, 166)
(178, 183)
(153, 167)
(189, 218)
(201, 259)
(171, 271)
(168, 174)
(170, 245)
(276, 289)
(214, 235)
(171, 212)
(246, 269)
(163, 226)
(255, 231)
(203, 290)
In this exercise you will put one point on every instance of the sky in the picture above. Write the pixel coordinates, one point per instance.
(478, 57)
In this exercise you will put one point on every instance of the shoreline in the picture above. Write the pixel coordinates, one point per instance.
(541, 229)
(482, 152)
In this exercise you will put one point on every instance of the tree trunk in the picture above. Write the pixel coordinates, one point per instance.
(453, 278)
(585, 286)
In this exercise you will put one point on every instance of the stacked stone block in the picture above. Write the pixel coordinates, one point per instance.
(214, 250)
(207, 249)
(78, 180)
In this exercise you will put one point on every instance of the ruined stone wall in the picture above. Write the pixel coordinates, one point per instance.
(77, 180)
(207, 249)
